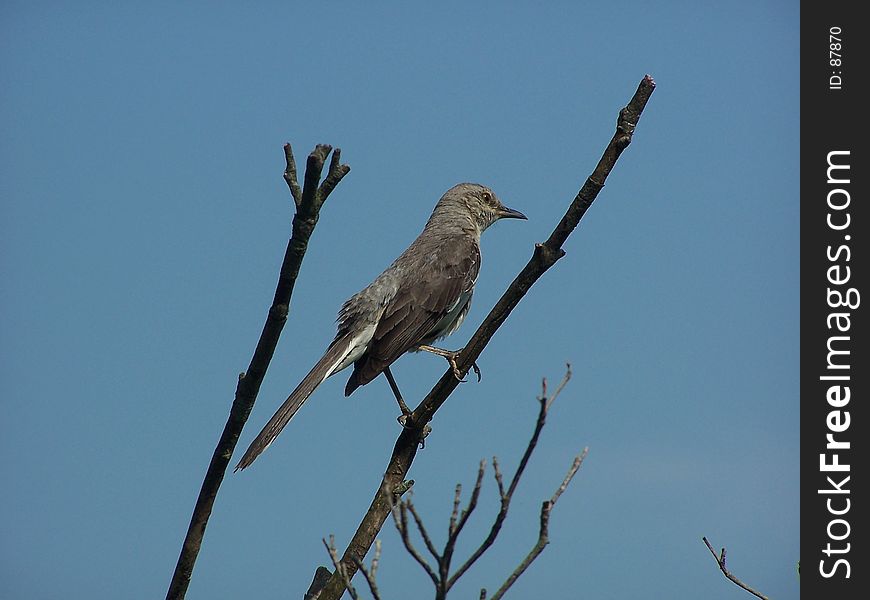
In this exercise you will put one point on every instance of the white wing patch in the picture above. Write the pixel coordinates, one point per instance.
(355, 349)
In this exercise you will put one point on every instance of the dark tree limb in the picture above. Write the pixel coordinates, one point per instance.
(720, 560)
(308, 201)
(545, 256)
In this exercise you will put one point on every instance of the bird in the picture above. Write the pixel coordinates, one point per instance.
(423, 296)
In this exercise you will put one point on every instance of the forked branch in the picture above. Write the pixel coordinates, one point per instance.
(308, 201)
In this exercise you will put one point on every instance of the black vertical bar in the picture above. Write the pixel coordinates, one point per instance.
(835, 363)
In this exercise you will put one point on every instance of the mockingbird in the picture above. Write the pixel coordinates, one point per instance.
(423, 296)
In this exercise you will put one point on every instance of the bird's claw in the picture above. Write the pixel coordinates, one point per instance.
(458, 374)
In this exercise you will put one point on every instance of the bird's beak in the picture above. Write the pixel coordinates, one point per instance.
(509, 213)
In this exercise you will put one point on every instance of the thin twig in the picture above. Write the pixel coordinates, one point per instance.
(376, 559)
(499, 480)
(506, 496)
(339, 568)
(443, 580)
(290, 175)
(578, 460)
(422, 529)
(472, 503)
(308, 205)
(336, 172)
(533, 442)
(544, 256)
(544, 530)
(543, 540)
(400, 519)
(565, 379)
(369, 574)
(454, 514)
(720, 560)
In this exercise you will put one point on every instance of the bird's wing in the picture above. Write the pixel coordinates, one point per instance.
(420, 303)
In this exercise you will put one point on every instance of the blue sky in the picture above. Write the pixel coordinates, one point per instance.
(145, 216)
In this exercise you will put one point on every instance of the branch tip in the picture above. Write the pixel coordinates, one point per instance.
(720, 561)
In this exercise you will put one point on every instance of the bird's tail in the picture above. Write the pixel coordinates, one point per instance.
(336, 353)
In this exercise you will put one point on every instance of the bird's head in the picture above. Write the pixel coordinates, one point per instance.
(477, 203)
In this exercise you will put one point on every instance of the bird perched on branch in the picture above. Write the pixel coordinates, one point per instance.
(422, 297)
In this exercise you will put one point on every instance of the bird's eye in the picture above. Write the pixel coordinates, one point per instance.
(487, 197)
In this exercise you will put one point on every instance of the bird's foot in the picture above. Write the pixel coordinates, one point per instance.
(456, 373)
(451, 356)
(476, 371)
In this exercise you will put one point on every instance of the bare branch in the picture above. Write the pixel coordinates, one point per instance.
(339, 568)
(578, 460)
(454, 514)
(544, 256)
(307, 214)
(313, 169)
(400, 518)
(423, 533)
(336, 172)
(456, 528)
(369, 574)
(507, 496)
(443, 580)
(543, 540)
(376, 559)
(544, 531)
(290, 176)
(562, 384)
(544, 404)
(498, 477)
(533, 442)
(720, 560)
